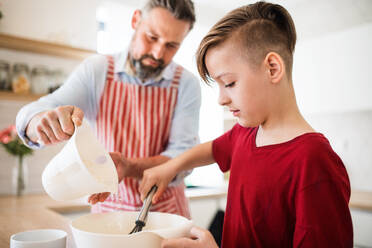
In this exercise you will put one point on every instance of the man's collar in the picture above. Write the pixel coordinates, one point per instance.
(122, 65)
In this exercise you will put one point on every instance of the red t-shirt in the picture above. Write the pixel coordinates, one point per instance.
(293, 194)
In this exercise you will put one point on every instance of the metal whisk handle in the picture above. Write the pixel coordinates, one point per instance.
(147, 204)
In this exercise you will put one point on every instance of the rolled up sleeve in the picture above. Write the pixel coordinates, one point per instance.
(79, 90)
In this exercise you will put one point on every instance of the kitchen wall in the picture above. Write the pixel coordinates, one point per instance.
(69, 22)
(332, 72)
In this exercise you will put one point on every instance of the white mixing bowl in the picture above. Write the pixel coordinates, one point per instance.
(110, 230)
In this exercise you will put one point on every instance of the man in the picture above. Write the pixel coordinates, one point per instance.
(143, 106)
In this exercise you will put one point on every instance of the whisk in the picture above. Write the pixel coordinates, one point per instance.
(141, 220)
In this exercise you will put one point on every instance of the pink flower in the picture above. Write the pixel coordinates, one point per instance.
(13, 131)
(8, 134)
(5, 139)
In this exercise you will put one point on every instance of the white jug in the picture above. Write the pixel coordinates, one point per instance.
(81, 168)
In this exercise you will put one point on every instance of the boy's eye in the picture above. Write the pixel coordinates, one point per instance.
(230, 85)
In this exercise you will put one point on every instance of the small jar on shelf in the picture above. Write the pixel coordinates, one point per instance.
(56, 80)
(20, 78)
(40, 80)
(4, 75)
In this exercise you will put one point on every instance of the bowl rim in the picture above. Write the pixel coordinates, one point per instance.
(154, 231)
(62, 232)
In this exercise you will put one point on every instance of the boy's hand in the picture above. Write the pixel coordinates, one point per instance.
(54, 126)
(160, 176)
(124, 168)
(200, 238)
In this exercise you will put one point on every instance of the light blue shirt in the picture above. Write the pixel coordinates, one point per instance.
(84, 88)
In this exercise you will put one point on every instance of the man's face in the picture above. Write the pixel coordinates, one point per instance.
(243, 88)
(158, 36)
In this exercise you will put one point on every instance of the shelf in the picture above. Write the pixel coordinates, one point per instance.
(42, 47)
(10, 96)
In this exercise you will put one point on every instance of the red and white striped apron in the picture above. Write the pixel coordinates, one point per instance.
(135, 120)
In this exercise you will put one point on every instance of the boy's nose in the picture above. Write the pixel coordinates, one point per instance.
(223, 99)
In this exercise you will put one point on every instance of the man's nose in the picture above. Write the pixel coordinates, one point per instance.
(158, 51)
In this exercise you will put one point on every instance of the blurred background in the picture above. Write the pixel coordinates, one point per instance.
(46, 40)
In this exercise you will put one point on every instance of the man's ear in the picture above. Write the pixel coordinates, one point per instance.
(275, 67)
(136, 18)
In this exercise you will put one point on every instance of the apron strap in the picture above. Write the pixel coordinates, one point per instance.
(110, 68)
(177, 77)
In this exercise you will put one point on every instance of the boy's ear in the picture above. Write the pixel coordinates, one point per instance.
(136, 18)
(275, 67)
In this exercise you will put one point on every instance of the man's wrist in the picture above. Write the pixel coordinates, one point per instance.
(134, 165)
(30, 130)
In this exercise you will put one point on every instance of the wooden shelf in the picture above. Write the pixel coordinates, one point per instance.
(10, 96)
(42, 47)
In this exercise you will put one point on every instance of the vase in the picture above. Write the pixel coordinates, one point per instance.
(19, 177)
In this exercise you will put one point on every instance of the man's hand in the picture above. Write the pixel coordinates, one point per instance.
(200, 238)
(125, 168)
(54, 126)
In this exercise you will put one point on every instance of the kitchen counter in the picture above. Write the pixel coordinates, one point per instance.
(29, 212)
(361, 200)
(40, 211)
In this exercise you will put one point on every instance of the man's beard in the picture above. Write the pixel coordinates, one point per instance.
(145, 72)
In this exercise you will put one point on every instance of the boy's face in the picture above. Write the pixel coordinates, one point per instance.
(243, 88)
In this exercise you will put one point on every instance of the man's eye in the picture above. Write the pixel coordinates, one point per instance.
(230, 85)
(171, 46)
(153, 38)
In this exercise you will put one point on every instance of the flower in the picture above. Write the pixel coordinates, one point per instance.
(12, 143)
(7, 134)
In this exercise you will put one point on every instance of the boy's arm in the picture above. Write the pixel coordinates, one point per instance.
(163, 174)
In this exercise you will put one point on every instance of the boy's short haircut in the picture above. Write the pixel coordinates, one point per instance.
(258, 29)
(181, 9)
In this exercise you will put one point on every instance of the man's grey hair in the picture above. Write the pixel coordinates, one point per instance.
(181, 9)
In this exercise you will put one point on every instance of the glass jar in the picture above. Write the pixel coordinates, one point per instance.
(39, 80)
(4, 75)
(20, 78)
(56, 80)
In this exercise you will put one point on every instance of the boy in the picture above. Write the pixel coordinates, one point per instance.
(287, 187)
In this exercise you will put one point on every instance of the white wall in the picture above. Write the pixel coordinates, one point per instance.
(332, 72)
(69, 22)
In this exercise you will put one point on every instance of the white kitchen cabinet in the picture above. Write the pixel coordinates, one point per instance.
(204, 203)
(362, 225)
